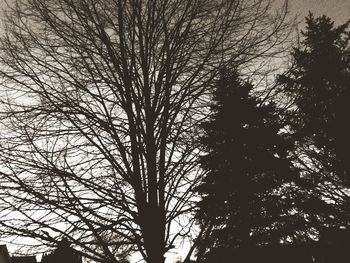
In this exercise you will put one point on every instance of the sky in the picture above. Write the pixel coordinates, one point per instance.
(338, 10)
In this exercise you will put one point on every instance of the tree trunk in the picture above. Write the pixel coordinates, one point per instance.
(153, 232)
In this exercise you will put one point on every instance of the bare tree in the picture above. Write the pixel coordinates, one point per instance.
(100, 105)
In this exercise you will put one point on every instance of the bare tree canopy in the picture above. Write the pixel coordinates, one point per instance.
(100, 104)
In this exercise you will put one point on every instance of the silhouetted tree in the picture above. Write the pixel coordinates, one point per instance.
(100, 101)
(318, 86)
(245, 198)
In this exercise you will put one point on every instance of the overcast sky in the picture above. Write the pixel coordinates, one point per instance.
(338, 10)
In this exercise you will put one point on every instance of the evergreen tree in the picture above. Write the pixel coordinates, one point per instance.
(244, 198)
(319, 86)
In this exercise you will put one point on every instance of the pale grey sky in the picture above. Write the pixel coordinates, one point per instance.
(338, 10)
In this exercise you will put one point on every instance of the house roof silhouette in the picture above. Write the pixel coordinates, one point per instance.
(23, 259)
(4, 255)
(63, 253)
(6, 258)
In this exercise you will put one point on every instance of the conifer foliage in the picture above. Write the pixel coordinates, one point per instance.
(244, 201)
(318, 85)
